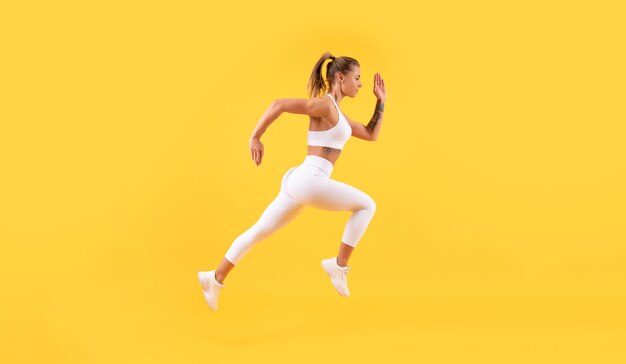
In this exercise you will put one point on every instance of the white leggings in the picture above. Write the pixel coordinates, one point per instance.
(308, 184)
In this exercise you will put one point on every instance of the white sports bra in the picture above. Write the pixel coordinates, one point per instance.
(334, 137)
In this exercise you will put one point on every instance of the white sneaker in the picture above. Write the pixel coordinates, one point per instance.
(210, 287)
(338, 275)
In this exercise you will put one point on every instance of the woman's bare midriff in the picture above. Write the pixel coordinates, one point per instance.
(325, 152)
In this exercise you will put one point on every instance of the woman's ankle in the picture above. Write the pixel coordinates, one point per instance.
(219, 277)
(342, 263)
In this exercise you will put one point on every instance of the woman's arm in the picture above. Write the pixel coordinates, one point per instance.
(374, 125)
(256, 147)
(272, 113)
(369, 132)
(313, 107)
(381, 96)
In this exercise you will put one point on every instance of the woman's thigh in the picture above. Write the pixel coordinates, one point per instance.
(334, 195)
(310, 186)
(282, 210)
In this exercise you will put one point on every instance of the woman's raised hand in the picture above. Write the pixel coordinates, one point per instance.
(256, 149)
(379, 87)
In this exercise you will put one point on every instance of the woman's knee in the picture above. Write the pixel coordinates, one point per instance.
(370, 204)
(373, 206)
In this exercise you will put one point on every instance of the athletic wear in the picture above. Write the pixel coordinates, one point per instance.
(210, 287)
(308, 184)
(334, 137)
(338, 275)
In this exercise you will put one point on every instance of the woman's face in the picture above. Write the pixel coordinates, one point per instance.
(351, 82)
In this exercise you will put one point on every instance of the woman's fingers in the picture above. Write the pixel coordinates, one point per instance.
(256, 151)
(257, 154)
(379, 80)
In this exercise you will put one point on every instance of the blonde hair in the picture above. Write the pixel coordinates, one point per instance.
(344, 64)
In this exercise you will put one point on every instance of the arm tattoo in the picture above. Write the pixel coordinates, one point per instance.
(380, 106)
(378, 115)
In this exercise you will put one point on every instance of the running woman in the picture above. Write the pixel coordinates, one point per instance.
(310, 183)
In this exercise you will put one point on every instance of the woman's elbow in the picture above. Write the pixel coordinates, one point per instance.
(275, 104)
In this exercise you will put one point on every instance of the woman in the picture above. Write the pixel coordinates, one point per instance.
(310, 182)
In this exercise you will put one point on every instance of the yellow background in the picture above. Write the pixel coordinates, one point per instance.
(498, 174)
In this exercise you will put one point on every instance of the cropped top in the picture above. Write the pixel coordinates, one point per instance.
(334, 137)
